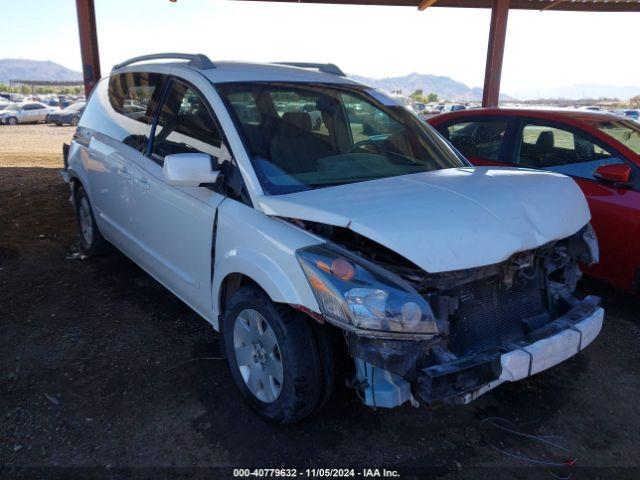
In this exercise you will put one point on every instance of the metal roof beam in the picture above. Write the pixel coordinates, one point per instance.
(424, 4)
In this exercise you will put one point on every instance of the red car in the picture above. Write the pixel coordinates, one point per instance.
(601, 151)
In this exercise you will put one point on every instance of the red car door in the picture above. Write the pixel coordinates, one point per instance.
(615, 206)
(615, 213)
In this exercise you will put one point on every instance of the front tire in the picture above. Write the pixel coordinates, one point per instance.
(12, 121)
(91, 240)
(273, 357)
(74, 121)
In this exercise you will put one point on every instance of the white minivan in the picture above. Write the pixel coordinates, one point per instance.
(364, 238)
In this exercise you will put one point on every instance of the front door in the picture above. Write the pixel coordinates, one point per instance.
(175, 225)
(615, 209)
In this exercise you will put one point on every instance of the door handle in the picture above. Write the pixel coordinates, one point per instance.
(143, 182)
(124, 172)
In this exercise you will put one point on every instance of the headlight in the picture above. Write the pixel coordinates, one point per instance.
(358, 294)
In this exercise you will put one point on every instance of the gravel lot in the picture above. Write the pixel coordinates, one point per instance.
(96, 379)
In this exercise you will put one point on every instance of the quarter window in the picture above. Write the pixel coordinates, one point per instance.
(562, 150)
(185, 125)
(133, 96)
(480, 139)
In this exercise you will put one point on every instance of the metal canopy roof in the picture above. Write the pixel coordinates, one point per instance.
(566, 5)
(497, 30)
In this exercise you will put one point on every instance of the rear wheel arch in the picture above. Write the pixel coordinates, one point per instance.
(75, 184)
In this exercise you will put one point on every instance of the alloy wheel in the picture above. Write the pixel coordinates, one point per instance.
(258, 355)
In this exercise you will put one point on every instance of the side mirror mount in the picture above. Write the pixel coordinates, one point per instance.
(617, 173)
(189, 169)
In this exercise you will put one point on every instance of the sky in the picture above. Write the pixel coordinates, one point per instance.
(544, 49)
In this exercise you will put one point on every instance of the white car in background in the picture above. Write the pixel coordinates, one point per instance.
(30, 112)
(370, 240)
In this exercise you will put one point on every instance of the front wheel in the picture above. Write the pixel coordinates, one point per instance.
(12, 121)
(273, 357)
(74, 121)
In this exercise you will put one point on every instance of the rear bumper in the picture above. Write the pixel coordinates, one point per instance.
(465, 379)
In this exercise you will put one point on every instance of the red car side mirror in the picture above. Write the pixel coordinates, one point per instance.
(613, 173)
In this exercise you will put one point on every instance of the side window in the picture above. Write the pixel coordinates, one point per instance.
(185, 125)
(367, 121)
(480, 139)
(133, 95)
(562, 150)
(28, 107)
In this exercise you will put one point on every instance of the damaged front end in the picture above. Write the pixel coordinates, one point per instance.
(450, 337)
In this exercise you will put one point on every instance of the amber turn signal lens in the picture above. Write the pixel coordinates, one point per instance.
(318, 284)
(323, 266)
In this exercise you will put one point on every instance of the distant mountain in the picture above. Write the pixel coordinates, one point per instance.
(21, 69)
(446, 87)
(576, 92)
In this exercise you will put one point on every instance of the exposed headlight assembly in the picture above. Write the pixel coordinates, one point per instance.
(359, 295)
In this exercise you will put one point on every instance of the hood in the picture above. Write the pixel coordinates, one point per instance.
(447, 219)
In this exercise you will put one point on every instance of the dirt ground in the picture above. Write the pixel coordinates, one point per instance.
(102, 375)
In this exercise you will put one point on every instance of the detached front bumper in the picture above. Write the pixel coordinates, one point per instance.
(465, 379)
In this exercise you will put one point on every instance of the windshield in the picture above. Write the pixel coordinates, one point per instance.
(13, 107)
(305, 136)
(625, 131)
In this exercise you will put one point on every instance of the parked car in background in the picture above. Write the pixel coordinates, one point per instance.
(591, 108)
(600, 151)
(31, 112)
(418, 107)
(369, 240)
(453, 107)
(634, 114)
(69, 116)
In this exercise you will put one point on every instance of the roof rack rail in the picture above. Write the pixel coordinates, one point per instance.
(196, 60)
(322, 67)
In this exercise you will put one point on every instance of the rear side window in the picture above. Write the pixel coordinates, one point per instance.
(133, 95)
(562, 150)
(481, 139)
(186, 125)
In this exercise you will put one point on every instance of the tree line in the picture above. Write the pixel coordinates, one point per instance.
(26, 89)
